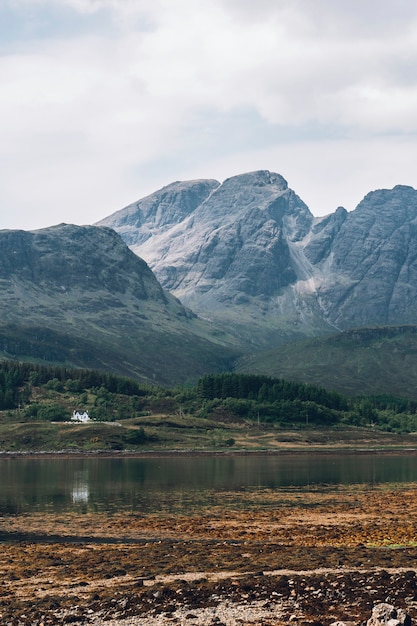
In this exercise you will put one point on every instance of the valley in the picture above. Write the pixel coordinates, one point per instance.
(223, 413)
(236, 276)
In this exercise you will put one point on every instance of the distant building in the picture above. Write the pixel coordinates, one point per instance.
(77, 416)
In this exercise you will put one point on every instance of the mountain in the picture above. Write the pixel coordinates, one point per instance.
(366, 261)
(249, 255)
(160, 211)
(78, 296)
(250, 259)
(234, 258)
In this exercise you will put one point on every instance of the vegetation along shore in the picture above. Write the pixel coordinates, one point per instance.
(268, 556)
(222, 412)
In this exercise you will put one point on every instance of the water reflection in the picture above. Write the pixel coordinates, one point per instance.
(181, 483)
(80, 489)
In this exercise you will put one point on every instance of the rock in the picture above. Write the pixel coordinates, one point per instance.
(160, 210)
(238, 250)
(384, 614)
(369, 266)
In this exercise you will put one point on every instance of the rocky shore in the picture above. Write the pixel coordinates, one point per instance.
(279, 558)
(383, 614)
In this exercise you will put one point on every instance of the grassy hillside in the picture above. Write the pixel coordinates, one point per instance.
(222, 412)
(365, 361)
(163, 357)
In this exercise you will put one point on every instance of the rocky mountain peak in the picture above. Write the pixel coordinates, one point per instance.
(251, 250)
(66, 260)
(234, 243)
(159, 211)
(241, 194)
(372, 273)
(259, 178)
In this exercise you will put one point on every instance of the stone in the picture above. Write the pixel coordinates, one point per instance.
(385, 614)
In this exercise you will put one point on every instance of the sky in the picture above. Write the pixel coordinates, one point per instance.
(105, 101)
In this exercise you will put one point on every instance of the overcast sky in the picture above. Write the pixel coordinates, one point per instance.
(105, 101)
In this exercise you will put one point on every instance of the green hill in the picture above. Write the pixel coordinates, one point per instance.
(222, 412)
(365, 361)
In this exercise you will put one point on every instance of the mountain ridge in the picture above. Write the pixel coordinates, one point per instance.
(252, 254)
(254, 268)
(78, 295)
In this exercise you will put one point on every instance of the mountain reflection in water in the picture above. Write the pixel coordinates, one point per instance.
(181, 483)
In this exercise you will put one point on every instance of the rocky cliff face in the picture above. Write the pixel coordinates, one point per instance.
(160, 211)
(233, 254)
(371, 265)
(80, 296)
(234, 241)
(249, 253)
(63, 261)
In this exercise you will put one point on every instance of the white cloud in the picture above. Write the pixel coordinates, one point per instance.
(134, 91)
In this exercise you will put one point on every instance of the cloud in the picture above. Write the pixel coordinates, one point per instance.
(103, 98)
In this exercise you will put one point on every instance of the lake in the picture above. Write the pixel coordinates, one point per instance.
(181, 483)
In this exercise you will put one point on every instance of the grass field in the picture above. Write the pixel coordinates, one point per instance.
(164, 432)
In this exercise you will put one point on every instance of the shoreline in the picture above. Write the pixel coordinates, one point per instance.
(307, 562)
(290, 451)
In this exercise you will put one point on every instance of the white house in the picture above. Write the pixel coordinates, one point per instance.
(77, 416)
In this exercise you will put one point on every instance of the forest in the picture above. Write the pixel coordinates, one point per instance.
(39, 392)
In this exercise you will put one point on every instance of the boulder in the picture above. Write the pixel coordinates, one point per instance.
(384, 614)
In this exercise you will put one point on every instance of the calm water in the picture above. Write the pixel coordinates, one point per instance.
(178, 484)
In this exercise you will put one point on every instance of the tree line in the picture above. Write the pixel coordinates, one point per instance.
(17, 377)
(216, 396)
(266, 389)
